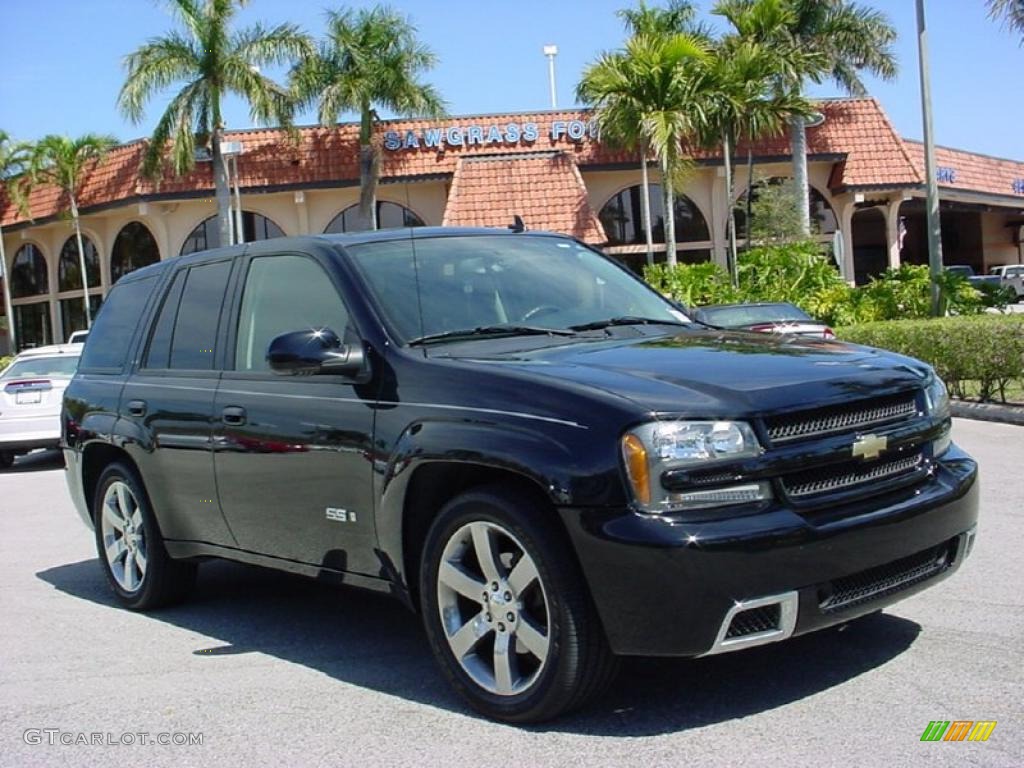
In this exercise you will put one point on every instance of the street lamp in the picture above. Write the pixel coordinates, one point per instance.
(230, 150)
(932, 180)
(551, 51)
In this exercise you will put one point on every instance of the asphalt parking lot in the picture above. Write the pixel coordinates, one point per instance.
(280, 670)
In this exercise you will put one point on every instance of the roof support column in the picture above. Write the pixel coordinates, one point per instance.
(303, 212)
(845, 216)
(893, 241)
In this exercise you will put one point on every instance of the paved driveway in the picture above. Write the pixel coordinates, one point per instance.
(279, 670)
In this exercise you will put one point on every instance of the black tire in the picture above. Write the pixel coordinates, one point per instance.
(164, 581)
(6, 459)
(578, 662)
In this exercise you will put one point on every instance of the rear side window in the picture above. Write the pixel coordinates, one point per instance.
(119, 317)
(185, 333)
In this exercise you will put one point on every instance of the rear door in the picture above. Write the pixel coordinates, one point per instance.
(169, 399)
(294, 453)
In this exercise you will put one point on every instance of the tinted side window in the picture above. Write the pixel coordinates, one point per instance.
(186, 330)
(119, 317)
(159, 352)
(284, 293)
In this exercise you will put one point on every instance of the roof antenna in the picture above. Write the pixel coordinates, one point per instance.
(517, 224)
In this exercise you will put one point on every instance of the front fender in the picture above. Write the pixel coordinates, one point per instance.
(559, 462)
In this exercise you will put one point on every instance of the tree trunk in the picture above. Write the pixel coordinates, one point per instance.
(223, 191)
(81, 258)
(646, 207)
(670, 208)
(369, 171)
(798, 146)
(8, 309)
(731, 221)
(750, 192)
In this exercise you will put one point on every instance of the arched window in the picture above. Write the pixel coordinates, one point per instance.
(133, 248)
(28, 273)
(255, 226)
(622, 218)
(69, 272)
(823, 218)
(389, 216)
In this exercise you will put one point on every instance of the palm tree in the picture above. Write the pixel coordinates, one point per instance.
(739, 99)
(62, 162)
(645, 98)
(370, 61)
(14, 159)
(613, 84)
(849, 37)
(213, 61)
(1012, 14)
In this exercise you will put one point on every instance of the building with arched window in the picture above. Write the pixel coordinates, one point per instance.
(551, 169)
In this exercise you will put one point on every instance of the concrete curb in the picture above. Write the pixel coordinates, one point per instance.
(1004, 414)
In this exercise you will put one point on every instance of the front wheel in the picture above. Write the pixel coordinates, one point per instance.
(506, 610)
(130, 546)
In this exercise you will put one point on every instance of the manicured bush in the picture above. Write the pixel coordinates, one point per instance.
(983, 353)
(801, 274)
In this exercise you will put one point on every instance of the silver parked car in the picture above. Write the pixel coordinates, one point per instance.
(31, 389)
(1011, 276)
(767, 317)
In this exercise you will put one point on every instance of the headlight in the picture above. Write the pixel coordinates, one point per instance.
(651, 449)
(938, 398)
(938, 406)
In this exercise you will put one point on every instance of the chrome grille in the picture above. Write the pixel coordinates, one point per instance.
(847, 476)
(844, 418)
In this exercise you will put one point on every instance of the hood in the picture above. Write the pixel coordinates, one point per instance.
(712, 373)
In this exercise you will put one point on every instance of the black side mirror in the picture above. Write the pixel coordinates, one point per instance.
(315, 351)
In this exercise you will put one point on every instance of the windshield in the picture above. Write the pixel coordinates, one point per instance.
(32, 367)
(528, 283)
(736, 317)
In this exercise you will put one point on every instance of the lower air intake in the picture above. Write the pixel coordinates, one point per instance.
(764, 619)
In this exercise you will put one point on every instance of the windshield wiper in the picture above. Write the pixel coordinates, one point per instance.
(490, 330)
(624, 320)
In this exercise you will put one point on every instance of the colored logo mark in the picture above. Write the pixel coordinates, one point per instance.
(958, 730)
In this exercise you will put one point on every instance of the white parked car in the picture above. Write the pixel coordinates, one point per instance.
(31, 389)
(1011, 276)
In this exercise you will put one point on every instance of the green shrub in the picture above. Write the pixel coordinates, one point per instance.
(981, 353)
(799, 273)
(4, 362)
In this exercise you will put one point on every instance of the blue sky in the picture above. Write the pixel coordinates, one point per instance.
(61, 62)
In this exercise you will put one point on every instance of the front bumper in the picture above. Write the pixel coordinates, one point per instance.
(669, 588)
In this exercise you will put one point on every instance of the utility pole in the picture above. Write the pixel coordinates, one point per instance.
(932, 180)
(551, 51)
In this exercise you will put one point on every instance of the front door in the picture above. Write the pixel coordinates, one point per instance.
(293, 453)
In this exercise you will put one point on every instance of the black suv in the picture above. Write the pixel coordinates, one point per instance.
(542, 456)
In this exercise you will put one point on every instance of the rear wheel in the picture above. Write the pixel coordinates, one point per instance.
(130, 546)
(506, 610)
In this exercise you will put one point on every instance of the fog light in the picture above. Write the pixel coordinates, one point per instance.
(719, 497)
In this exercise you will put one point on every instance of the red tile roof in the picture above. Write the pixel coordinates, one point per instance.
(971, 172)
(856, 132)
(546, 190)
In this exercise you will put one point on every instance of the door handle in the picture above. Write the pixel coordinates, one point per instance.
(233, 416)
(137, 407)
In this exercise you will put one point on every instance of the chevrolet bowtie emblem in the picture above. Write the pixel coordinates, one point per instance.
(869, 446)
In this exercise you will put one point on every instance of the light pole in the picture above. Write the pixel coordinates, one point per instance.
(932, 180)
(551, 51)
(230, 150)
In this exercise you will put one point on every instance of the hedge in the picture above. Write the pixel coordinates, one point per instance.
(983, 353)
(4, 362)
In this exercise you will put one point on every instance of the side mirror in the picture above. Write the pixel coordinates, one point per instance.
(315, 351)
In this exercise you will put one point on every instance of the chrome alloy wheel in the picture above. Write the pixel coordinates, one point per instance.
(124, 536)
(494, 609)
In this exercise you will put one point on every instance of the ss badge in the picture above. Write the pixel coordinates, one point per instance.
(339, 515)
